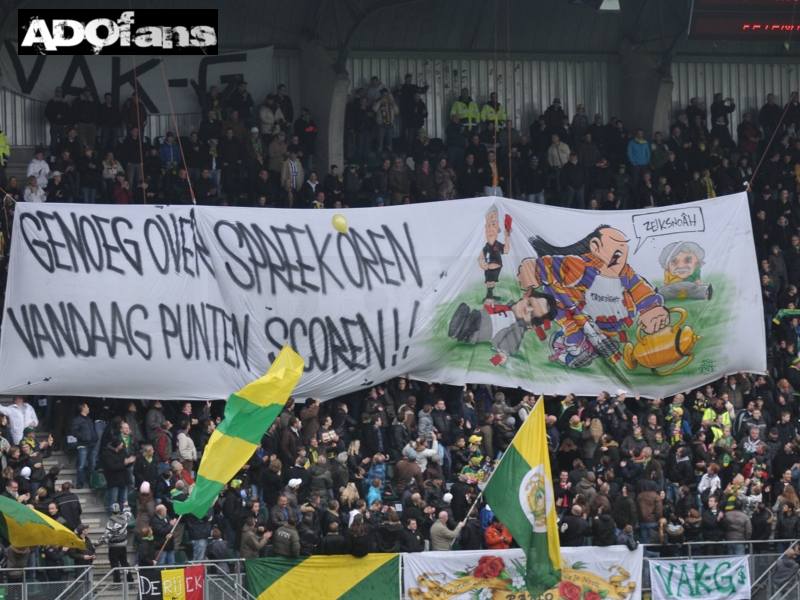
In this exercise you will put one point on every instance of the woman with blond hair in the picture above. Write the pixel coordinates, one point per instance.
(349, 497)
(590, 437)
(788, 495)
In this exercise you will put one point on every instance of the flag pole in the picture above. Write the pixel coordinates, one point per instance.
(169, 537)
(480, 495)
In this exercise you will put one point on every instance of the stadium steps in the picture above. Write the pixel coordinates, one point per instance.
(17, 165)
(94, 513)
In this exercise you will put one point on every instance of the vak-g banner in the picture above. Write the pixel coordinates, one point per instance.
(713, 578)
(37, 76)
(613, 574)
(176, 302)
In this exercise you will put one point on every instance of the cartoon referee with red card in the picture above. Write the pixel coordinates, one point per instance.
(491, 257)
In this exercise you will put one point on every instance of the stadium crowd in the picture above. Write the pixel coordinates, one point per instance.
(248, 154)
(400, 468)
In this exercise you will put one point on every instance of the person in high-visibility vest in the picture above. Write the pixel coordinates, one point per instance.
(467, 111)
(5, 152)
(493, 111)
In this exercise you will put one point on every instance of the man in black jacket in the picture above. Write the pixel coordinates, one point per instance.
(788, 526)
(109, 121)
(146, 468)
(469, 177)
(115, 467)
(679, 472)
(333, 543)
(83, 430)
(574, 528)
(162, 535)
(411, 539)
(230, 156)
(69, 507)
(472, 535)
(573, 180)
(199, 532)
(130, 153)
(85, 108)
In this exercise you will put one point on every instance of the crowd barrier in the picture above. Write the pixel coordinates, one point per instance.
(84, 583)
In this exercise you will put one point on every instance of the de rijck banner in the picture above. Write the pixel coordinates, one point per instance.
(181, 302)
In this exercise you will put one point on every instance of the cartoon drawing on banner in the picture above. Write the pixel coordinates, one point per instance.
(504, 325)
(491, 257)
(598, 295)
(681, 262)
(493, 579)
(588, 304)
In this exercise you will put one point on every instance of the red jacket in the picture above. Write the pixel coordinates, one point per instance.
(494, 537)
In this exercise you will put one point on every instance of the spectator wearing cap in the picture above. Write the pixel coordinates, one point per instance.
(299, 483)
(83, 557)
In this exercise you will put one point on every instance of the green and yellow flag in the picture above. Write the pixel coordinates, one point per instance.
(520, 493)
(24, 526)
(248, 414)
(341, 576)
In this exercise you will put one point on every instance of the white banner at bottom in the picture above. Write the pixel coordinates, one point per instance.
(588, 573)
(712, 579)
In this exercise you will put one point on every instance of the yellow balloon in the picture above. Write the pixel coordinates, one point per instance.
(339, 223)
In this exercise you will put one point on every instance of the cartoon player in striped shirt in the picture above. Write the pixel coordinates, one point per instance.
(597, 294)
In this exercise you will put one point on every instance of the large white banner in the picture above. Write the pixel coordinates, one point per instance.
(38, 76)
(711, 578)
(588, 573)
(181, 302)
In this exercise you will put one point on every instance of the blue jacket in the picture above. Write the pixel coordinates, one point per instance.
(378, 471)
(169, 153)
(639, 154)
(83, 429)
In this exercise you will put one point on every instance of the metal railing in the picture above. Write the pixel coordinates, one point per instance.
(218, 584)
(28, 587)
(22, 119)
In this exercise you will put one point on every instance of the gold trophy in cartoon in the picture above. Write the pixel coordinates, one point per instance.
(669, 348)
